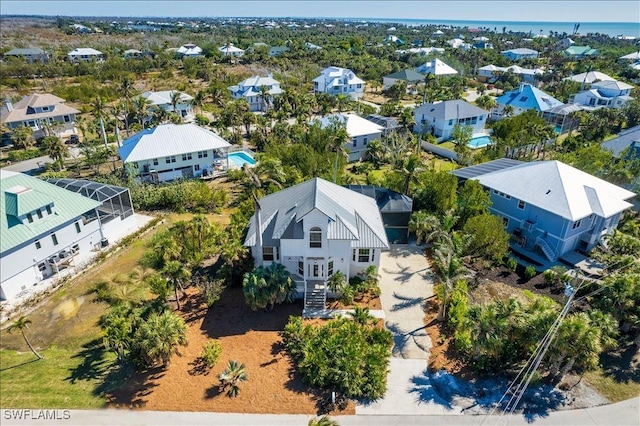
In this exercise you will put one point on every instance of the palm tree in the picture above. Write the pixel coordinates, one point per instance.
(176, 274)
(376, 152)
(141, 109)
(410, 169)
(337, 140)
(23, 137)
(322, 421)
(175, 100)
(232, 377)
(508, 110)
(198, 99)
(99, 107)
(126, 89)
(361, 315)
(21, 324)
(337, 282)
(342, 101)
(449, 269)
(56, 149)
(423, 224)
(263, 95)
(159, 337)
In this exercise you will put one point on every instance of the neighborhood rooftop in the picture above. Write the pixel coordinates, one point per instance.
(447, 110)
(353, 217)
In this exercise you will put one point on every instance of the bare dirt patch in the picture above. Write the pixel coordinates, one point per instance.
(249, 337)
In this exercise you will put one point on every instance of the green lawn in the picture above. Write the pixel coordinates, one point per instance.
(63, 379)
(611, 388)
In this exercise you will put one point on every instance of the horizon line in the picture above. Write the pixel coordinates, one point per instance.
(12, 15)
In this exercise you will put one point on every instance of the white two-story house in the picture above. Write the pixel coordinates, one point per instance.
(604, 94)
(440, 118)
(175, 151)
(336, 81)
(43, 228)
(163, 100)
(315, 229)
(85, 54)
(251, 89)
(361, 132)
(39, 111)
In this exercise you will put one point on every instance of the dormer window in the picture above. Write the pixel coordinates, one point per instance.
(45, 108)
(30, 217)
(48, 209)
(315, 237)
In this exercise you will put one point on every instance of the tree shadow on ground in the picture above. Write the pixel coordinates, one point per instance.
(138, 386)
(230, 316)
(401, 339)
(406, 302)
(620, 364)
(485, 394)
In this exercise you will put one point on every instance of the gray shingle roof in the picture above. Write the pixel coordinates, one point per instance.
(623, 140)
(406, 75)
(448, 110)
(352, 216)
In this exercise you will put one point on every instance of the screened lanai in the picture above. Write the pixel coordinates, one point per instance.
(116, 200)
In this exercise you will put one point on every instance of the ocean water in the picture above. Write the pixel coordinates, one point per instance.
(610, 28)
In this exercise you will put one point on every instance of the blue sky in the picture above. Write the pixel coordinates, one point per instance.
(532, 10)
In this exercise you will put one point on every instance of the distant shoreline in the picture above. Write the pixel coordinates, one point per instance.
(612, 29)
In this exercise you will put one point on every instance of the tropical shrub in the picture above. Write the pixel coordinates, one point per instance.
(530, 272)
(264, 287)
(231, 378)
(511, 263)
(159, 337)
(211, 353)
(342, 354)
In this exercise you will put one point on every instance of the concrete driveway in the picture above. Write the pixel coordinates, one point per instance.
(406, 283)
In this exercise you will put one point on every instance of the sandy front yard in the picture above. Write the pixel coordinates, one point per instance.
(248, 337)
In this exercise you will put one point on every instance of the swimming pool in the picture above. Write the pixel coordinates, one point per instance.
(479, 141)
(241, 158)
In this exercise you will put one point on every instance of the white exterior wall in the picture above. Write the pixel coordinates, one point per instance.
(184, 110)
(360, 149)
(19, 268)
(444, 128)
(163, 166)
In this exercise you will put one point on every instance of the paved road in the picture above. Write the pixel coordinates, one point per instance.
(626, 413)
(34, 164)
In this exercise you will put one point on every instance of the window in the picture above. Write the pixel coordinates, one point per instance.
(38, 245)
(363, 255)
(373, 254)
(29, 218)
(186, 157)
(77, 224)
(202, 154)
(521, 204)
(39, 213)
(171, 159)
(315, 237)
(48, 209)
(268, 253)
(365, 140)
(576, 224)
(45, 108)
(54, 239)
(67, 119)
(301, 268)
(196, 167)
(450, 122)
(505, 221)
(42, 267)
(155, 161)
(354, 141)
(330, 268)
(502, 194)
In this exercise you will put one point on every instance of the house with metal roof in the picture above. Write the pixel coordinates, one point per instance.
(604, 94)
(590, 77)
(29, 54)
(315, 229)
(43, 228)
(408, 75)
(165, 100)
(85, 54)
(339, 81)
(361, 132)
(230, 50)
(550, 208)
(491, 73)
(579, 52)
(175, 151)
(520, 53)
(436, 67)
(395, 209)
(189, 51)
(252, 88)
(40, 111)
(440, 118)
(277, 50)
(522, 99)
(627, 141)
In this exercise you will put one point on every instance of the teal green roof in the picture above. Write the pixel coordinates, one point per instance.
(580, 51)
(22, 194)
(407, 75)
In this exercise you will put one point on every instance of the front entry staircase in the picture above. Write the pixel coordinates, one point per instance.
(315, 297)
(546, 249)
